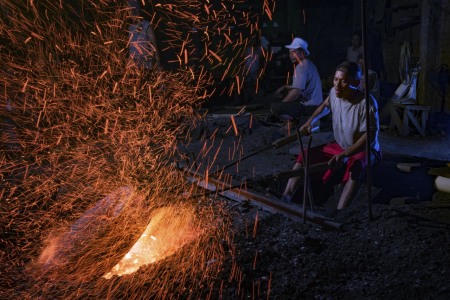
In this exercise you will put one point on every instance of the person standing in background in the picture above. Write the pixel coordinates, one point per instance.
(356, 48)
(143, 49)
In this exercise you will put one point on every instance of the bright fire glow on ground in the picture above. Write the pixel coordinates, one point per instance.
(170, 229)
(88, 228)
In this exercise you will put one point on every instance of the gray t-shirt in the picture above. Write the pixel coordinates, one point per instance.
(349, 121)
(306, 78)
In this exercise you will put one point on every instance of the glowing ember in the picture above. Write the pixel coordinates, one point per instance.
(170, 229)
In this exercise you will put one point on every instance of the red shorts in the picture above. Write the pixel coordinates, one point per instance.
(356, 164)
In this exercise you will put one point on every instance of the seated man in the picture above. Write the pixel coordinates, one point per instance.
(305, 93)
(348, 110)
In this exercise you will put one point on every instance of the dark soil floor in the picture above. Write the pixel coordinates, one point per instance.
(403, 252)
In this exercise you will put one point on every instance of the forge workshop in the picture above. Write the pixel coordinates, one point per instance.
(224, 149)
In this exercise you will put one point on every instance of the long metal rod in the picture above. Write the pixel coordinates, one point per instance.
(306, 191)
(278, 143)
(367, 96)
(241, 159)
(305, 156)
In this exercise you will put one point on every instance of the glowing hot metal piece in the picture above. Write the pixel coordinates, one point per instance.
(169, 230)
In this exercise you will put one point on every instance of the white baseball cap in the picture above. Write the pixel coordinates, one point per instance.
(299, 43)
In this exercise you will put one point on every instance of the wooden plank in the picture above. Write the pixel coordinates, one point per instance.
(405, 127)
(410, 112)
(395, 119)
(417, 107)
(415, 123)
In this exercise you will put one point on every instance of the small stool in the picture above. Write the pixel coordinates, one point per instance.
(402, 113)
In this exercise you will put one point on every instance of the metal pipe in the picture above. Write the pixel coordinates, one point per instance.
(306, 181)
(367, 97)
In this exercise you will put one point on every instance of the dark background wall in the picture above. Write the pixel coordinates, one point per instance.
(327, 25)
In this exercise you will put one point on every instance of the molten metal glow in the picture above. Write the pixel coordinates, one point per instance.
(170, 229)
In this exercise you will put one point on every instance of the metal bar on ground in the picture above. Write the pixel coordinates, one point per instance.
(289, 210)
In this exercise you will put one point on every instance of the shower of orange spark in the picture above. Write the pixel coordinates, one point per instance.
(81, 122)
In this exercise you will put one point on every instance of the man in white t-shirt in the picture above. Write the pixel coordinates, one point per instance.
(346, 156)
(305, 93)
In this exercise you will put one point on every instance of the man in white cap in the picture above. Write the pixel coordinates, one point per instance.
(305, 93)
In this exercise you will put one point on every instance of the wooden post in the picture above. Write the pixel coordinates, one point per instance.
(431, 28)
